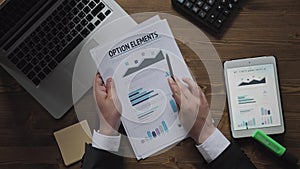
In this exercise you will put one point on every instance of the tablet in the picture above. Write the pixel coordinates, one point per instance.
(253, 96)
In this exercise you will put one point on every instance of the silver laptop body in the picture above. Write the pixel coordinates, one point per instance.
(54, 92)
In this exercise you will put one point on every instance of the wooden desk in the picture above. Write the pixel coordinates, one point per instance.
(264, 27)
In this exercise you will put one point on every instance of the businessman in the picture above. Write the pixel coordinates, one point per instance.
(218, 152)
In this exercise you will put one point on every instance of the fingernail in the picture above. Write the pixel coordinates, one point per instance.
(109, 79)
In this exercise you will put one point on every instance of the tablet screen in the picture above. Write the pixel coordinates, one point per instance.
(253, 97)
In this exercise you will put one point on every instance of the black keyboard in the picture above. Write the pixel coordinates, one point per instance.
(212, 15)
(40, 53)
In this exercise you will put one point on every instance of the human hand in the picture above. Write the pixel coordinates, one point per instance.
(107, 102)
(194, 111)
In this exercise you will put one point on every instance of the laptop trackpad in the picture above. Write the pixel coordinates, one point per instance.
(85, 69)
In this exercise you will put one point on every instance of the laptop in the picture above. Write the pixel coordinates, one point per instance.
(40, 41)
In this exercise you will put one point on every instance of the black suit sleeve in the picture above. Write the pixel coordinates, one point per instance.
(100, 159)
(232, 158)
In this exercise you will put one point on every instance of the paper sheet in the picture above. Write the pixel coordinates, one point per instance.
(140, 71)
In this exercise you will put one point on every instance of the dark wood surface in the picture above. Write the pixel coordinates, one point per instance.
(263, 27)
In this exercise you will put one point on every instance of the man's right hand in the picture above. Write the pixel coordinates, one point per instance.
(194, 110)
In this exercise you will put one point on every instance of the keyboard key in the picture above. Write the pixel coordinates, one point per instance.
(47, 58)
(210, 2)
(75, 11)
(86, 10)
(45, 41)
(220, 7)
(78, 27)
(89, 17)
(85, 32)
(92, 4)
(81, 14)
(37, 69)
(39, 56)
(72, 3)
(28, 58)
(97, 9)
(36, 81)
(51, 24)
(27, 39)
(55, 40)
(65, 21)
(10, 56)
(227, 12)
(41, 76)
(66, 30)
(224, 2)
(107, 12)
(25, 49)
(45, 51)
(202, 14)
(218, 23)
(80, 6)
(41, 34)
(195, 9)
(38, 47)
(53, 53)
(62, 13)
(31, 75)
(97, 22)
(188, 4)
(58, 48)
(180, 1)
(101, 16)
(67, 8)
(206, 7)
(199, 3)
(69, 16)
(54, 31)
(34, 61)
(212, 17)
(46, 70)
(21, 64)
(84, 22)
(57, 18)
(38, 29)
(60, 35)
(33, 52)
(68, 48)
(52, 64)
(36, 39)
(85, 1)
(71, 25)
(91, 27)
(73, 32)
(20, 55)
(68, 38)
(27, 68)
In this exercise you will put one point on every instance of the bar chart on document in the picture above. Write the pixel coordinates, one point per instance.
(152, 114)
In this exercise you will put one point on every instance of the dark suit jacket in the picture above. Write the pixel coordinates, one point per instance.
(100, 159)
(231, 158)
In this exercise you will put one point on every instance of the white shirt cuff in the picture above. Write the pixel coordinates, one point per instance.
(108, 143)
(213, 146)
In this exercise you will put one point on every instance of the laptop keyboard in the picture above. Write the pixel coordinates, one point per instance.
(9, 17)
(40, 53)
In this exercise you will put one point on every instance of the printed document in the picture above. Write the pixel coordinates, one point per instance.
(137, 62)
